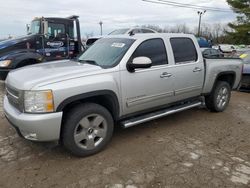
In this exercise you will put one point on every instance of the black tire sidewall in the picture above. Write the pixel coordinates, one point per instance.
(72, 120)
(219, 85)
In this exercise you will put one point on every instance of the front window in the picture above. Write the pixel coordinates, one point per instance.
(106, 52)
(54, 29)
(119, 32)
(153, 49)
(35, 27)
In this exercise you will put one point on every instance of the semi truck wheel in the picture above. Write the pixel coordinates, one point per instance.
(87, 129)
(219, 98)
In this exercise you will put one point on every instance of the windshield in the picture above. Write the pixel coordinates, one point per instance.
(119, 32)
(106, 52)
(35, 27)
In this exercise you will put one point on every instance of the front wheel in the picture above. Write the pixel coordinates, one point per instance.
(219, 98)
(87, 129)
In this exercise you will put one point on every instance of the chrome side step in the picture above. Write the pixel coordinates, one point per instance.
(158, 114)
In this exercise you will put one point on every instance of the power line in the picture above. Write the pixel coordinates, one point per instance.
(195, 6)
(170, 3)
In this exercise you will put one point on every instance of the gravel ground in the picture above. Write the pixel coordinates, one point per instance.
(194, 148)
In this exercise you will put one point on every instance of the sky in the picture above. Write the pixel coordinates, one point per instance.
(15, 14)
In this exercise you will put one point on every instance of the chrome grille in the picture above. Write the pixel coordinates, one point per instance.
(13, 97)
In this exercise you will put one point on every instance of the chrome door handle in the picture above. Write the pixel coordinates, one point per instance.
(197, 69)
(165, 75)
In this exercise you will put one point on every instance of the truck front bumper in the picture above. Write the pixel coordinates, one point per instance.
(4, 73)
(36, 127)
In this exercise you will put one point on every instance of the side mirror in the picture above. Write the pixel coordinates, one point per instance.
(28, 28)
(139, 63)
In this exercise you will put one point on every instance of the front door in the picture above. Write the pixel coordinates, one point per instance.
(56, 42)
(145, 89)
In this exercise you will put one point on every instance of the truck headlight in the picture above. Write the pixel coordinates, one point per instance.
(38, 101)
(5, 63)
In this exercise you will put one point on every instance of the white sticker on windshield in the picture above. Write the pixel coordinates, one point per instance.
(118, 45)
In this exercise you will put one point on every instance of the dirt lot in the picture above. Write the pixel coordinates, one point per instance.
(194, 148)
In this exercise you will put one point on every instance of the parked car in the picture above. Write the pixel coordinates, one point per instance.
(211, 53)
(126, 80)
(226, 48)
(125, 31)
(245, 82)
(134, 30)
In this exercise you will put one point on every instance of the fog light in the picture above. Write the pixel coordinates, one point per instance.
(30, 136)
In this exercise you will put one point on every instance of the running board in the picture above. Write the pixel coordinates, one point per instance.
(158, 114)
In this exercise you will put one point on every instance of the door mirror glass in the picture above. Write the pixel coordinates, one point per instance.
(139, 63)
(28, 28)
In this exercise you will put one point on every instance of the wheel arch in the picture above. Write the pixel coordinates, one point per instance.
(106, 98)
(227, 76)
(27, 62)
(21, 59)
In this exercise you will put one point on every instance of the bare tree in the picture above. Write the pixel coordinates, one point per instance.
(216, 32)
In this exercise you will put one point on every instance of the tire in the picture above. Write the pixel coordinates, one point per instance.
(87, 129)
(219, 98)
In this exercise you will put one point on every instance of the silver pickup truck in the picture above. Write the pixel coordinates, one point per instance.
(120, 80)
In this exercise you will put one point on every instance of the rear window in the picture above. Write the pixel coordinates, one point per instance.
(119, 32)
(184, 50)
(147, 31)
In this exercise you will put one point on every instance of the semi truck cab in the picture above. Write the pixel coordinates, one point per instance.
(47, 39)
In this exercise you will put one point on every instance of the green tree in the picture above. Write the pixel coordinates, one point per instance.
(241, 28)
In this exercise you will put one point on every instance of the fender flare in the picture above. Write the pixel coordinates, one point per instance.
(226, 73)
(216, 79)
(109, 93)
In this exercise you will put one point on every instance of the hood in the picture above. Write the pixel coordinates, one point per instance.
(246, 69)
(27, 77)
(7, 46)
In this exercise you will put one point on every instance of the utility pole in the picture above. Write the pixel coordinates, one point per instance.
(200, 13)
(101, 23)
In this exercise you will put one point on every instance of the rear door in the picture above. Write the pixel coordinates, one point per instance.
(145, 89)
(188, 68)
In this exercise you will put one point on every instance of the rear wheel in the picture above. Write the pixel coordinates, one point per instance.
(87, 129)
(219, 98)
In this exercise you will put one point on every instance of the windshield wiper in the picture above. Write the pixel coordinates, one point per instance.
(91, 62)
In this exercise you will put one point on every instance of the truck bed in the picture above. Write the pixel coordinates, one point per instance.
(216, 67)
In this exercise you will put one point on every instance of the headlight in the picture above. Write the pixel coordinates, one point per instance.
(5, 63)
(38, 101)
